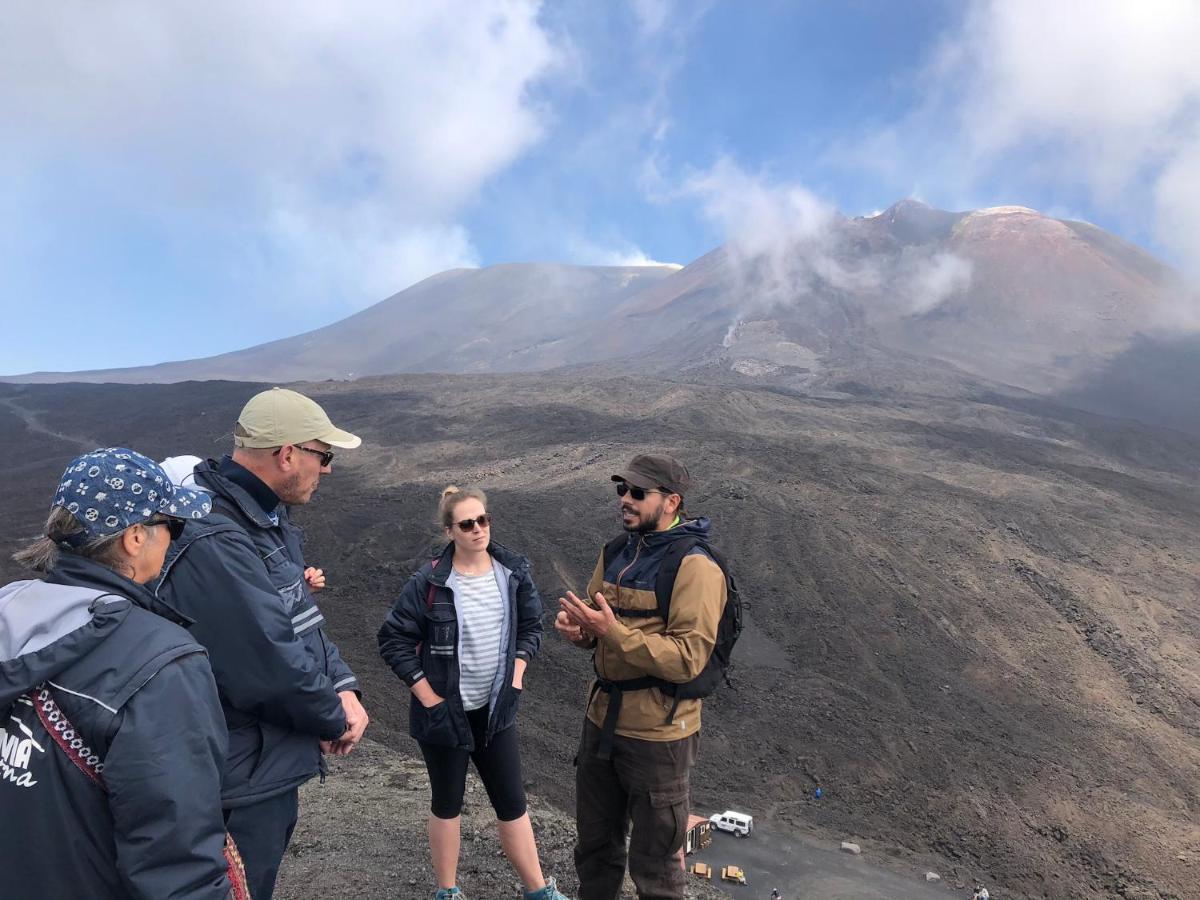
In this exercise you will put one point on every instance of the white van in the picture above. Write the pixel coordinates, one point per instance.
(739, 824)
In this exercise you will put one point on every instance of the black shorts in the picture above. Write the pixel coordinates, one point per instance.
(498, 764)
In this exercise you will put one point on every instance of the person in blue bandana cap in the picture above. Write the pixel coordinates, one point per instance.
(112, 740)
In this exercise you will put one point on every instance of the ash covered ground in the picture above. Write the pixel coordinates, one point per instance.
(972, 619)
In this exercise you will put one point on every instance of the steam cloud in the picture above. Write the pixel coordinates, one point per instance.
(784, 244)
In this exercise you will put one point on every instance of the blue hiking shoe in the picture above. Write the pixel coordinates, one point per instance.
(549, 892)
(449, 894)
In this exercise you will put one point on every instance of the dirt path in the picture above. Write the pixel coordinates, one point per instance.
(34, 423)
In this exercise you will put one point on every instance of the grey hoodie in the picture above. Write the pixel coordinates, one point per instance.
(141, 699)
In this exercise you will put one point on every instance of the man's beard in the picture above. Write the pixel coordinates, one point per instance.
(646, 523)
(291, 491)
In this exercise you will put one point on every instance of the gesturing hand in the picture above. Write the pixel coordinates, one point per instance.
(568, 629)
(590, 620)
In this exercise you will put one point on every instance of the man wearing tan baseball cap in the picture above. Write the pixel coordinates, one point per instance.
(278, 417)
(287, 695)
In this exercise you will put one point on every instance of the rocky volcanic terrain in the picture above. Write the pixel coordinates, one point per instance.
(973, 615)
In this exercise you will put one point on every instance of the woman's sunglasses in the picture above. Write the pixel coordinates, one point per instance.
(637, 493)
(483, 521)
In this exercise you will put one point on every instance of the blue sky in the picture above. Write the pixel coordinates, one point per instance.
(183, 181)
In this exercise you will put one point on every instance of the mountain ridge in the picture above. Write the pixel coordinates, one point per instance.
(1005, 296)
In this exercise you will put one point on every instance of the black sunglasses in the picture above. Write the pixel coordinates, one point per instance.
(174, 526)
(483, 521)
(326, 455)
(637, 493)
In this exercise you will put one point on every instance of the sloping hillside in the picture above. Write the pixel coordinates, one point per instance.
(972, 623)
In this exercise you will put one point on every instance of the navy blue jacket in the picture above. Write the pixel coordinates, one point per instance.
(239, 574)
(419, 639)
(139, 693)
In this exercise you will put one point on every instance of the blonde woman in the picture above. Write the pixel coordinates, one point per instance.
(460, 636)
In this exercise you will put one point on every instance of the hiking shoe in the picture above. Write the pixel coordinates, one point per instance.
(549, 892)
(449, 894)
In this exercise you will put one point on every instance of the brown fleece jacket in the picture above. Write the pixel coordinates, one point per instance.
(676, 650)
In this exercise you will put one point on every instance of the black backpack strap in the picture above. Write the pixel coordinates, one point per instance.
(668, 571)
(664, 587)
(616, 693)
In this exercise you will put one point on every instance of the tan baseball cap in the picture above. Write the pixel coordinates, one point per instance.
(279, 416)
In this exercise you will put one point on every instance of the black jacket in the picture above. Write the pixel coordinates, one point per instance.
(419, 639)
(239, 574)
(141, 698)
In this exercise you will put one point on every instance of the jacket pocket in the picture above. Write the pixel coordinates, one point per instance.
(506, 712)
(284, 756)
(439, 651)
(287, 577)
(245, 755)
(432, 724)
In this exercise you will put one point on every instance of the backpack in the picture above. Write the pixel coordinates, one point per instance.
(729, 629)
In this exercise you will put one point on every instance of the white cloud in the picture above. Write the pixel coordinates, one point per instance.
(1095, 101)
(1114, 81)
(652, 15)
(756, 214)
(588, 252)
(341, 141)
(380, 260)
(634, 257)
(1177, 203)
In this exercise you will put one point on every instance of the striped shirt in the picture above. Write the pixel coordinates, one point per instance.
(481, 621)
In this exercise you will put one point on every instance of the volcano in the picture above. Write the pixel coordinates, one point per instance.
(917, 298)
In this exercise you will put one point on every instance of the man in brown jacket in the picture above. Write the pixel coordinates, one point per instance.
(640, 741)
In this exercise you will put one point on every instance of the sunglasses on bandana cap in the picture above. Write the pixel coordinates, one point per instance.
(174, 526)
(483, 521)
(637, 493)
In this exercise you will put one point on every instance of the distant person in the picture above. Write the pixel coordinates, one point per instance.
(112, 741)
(287, 695)
(460, 635)
(641, 731)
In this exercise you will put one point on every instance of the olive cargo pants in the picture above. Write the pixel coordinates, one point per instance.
(645, 784)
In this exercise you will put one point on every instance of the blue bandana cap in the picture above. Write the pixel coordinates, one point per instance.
(112, 488)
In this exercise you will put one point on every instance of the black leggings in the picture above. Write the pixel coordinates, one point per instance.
(498, 764)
